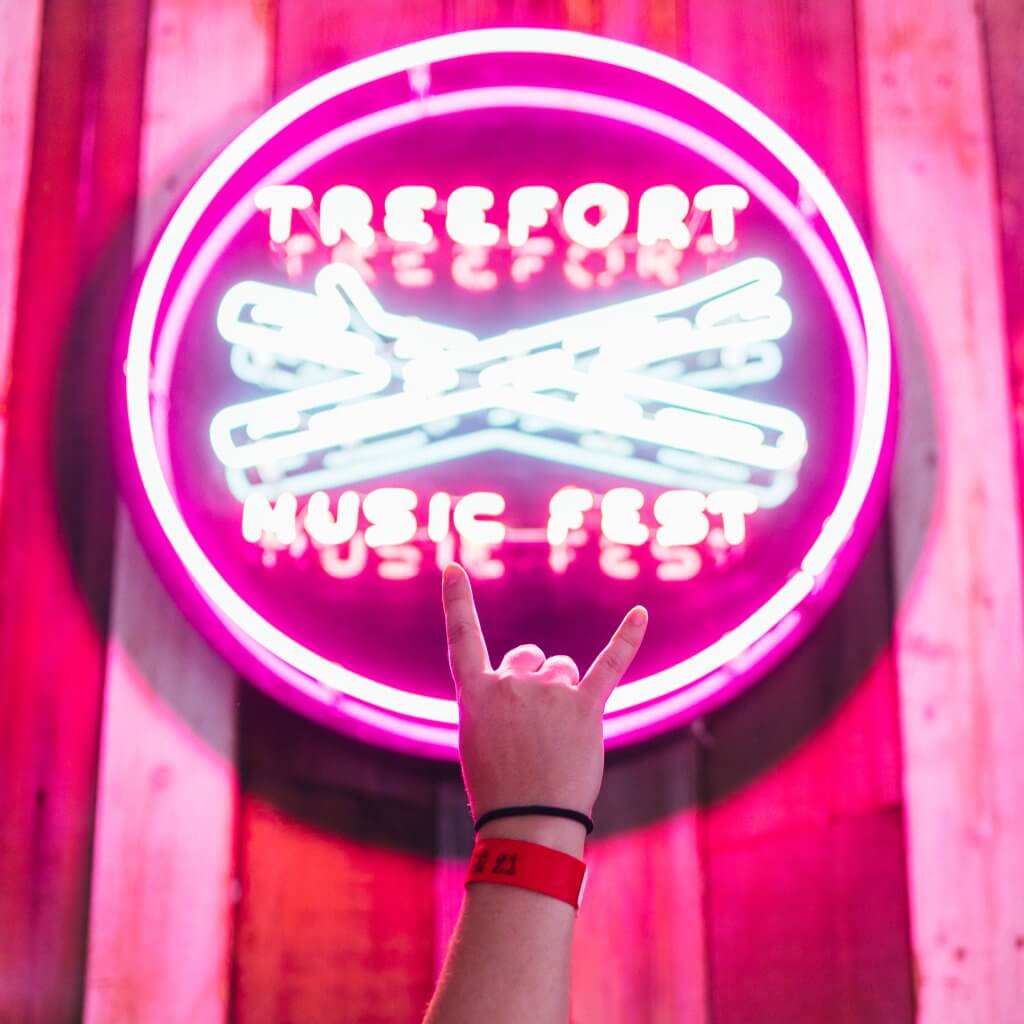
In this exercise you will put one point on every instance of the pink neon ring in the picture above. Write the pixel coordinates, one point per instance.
(428, 724)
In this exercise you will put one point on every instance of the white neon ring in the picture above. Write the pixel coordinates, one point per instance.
(836, 528)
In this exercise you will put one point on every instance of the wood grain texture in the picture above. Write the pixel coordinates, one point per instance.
(366, 926)
(467, 14)
(797, 61)
(655, 23)
(640, 951)
(57, 513)
(320, 36)
(801, 942)
(163, 873)
(19, 67)
(792, 880)
(813, 752)
(959, 644)
(345, 938)
(336, 913)
(1004, 47)
(819, 738)
(162, 906)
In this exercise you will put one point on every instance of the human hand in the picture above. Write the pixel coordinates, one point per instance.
(530, 730)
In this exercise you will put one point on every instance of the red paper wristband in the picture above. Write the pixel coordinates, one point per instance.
(528, 866)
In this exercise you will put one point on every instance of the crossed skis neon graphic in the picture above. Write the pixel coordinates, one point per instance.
(635, 388)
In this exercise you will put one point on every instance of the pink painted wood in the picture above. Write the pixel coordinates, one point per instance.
(324, 958)
(163, 889)
(331, 927)
(959, 644)
(19, 66)
(803, 772)
(641, 945)
(1004, 44)
(54, 556)
(785, 898)
(336, 913)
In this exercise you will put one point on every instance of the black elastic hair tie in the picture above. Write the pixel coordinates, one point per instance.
(521, 812)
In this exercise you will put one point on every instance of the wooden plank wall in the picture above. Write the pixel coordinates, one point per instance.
(19, 68)
(804, 866)
(249, 866)
(960, 642)
(163, 909)
(1004, 44)
(58, 496)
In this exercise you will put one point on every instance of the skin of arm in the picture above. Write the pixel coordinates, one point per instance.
(529, 733)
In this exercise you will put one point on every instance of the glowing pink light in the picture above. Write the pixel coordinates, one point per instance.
(424, 721)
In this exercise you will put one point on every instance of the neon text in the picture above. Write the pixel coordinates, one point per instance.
(592, 216)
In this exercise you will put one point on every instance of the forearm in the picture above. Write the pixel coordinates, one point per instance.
(530, 734)
(510, 958)
(508, 962)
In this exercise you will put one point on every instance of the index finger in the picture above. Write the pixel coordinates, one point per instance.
(610, 665)
(467, 649)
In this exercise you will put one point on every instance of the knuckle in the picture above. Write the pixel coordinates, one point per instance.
(524, 658)
(563, 662)
(523, 649)
(458, 631)
(614, 660)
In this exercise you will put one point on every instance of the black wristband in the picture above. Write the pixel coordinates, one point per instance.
(522, 812)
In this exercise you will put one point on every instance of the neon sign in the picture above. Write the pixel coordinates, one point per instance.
(604, 334)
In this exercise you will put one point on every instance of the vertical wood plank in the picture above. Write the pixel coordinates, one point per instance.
(317, 37)
(56, 519)
(797, 61)
(819, 738)
(802, 943)
(468, 14)
(1004, 42)
(807, 898)
(658, 24)
(641, 951)
(959, 642)
(362, 927)
(362, 913)
(162, 906)
(336, 914)
(802, 773)
(19, 66)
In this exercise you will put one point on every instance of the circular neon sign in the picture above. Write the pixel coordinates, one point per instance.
(563, 309)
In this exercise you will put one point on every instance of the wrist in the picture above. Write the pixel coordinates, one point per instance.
(556, 833)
